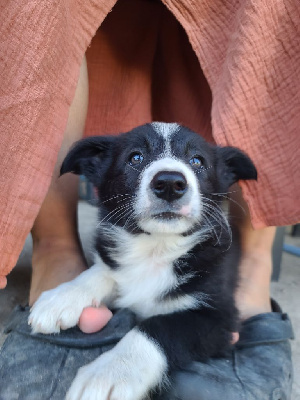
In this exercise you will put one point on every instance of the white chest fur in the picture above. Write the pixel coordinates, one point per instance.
(146, 272)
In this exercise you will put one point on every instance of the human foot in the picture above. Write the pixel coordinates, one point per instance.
(93, 319)
(54, 262)
(253, 292)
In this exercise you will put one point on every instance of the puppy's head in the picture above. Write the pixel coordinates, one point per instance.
(157, 177)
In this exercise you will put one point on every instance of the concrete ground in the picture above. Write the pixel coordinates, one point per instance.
(285, 291)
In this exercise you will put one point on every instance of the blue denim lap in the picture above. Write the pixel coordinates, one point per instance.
(43, 366)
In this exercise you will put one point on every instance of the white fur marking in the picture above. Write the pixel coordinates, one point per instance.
(60, 308)
(146, 271)
(127, 372)
(166, 130)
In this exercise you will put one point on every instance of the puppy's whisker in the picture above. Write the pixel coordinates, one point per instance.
(131, 216)
(215, 231)
(224, 193)
(123, 214)
(208, 222)
(218, 206)
(122, 210)
(131, 225)
(116, 196)
(111, 214)
(220, 217)
(125, 200)
(230, 199)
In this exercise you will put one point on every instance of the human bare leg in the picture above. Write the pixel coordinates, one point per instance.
(253, 293)
(57, 253)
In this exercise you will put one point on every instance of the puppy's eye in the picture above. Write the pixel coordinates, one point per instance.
(197, 162)
(136, 158)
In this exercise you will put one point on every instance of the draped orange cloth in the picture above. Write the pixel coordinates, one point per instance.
(228, 69)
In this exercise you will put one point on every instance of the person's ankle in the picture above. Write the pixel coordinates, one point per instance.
(43, 246)
(54, 261)
(253, 292)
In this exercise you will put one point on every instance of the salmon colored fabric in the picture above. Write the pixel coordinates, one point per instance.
(229, 69)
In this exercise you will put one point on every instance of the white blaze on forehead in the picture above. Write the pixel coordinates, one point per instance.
(166, 130)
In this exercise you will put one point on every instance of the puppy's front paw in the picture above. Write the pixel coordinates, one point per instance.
(127, 372)
(104, 379)
(59, 308)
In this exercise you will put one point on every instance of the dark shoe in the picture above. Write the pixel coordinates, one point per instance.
(258, 368)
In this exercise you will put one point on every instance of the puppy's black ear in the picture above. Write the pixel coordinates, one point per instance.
(234, 165)
(88, 156)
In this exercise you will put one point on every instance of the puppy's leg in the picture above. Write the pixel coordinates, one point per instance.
(127, 372)
(60, 308)
(192, 334)
(141, 360)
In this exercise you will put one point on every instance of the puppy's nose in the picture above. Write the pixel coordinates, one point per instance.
(169, 185)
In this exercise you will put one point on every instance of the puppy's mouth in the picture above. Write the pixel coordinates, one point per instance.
(167, 221)
(167, 216)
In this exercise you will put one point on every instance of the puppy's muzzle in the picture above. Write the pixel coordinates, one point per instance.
(169, 185)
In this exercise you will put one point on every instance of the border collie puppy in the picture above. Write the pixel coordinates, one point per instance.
(164, 249)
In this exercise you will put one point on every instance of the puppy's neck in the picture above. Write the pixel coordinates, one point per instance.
(158, 247)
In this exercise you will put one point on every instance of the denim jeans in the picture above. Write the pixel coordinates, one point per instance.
(39, 367)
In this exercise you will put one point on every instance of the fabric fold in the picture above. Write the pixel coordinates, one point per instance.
(227, 69)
